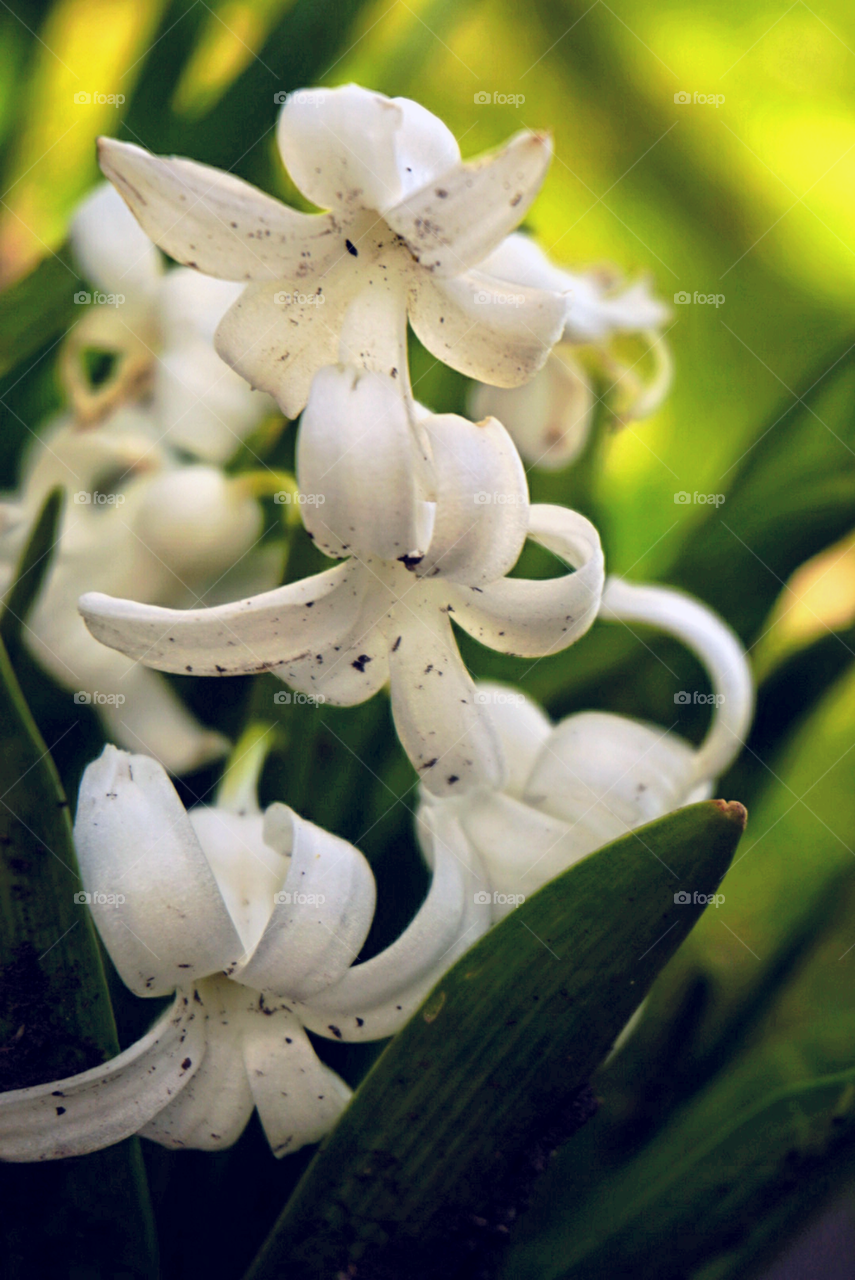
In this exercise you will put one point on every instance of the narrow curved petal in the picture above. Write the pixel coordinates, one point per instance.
(523, 728)
(596, 311)
(376, 998)
(234, 639)
(605, 774)
(355, 465)
(110, 248)
(214, 1107)
(718, 648)
(550, 417)
(321, 914)
(446, 734)
(152, 719)
(278, 337)
(534, 618)
(100, 1107)
(152, 894)
(210, 220)
(481, 501)
(456, 219)
(356, 666)
(299, 1099)
(488, 330)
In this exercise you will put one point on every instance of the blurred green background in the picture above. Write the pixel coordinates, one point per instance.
(748, 198)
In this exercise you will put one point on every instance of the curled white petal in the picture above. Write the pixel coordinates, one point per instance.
(110, 247)
(320, 916)
(481, 514)
(523, 728)
(718, 649)
(100, 1107)
(533, 618)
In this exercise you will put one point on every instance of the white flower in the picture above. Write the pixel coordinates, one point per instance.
(408, 227)
(577, 785)
(254, 920)
(550, 417)
(134, 522)
(345, 632)
(158, 325)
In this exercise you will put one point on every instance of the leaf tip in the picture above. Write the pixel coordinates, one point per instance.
(733, 810)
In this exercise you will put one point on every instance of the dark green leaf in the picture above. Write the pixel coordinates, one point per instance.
(32, 568)
(34, 310)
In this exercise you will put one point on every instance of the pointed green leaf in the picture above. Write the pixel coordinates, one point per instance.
(32, 569)
(55, 1020)
(34, 310)
(503, 1044)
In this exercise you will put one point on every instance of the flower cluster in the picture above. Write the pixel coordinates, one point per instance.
(256, 921)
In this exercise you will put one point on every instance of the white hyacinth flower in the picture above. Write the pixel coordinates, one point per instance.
(550, 417)
(159, 326)
(408, 227)
(593, 777)
(134, 522)
(343, 633)
(254, 921)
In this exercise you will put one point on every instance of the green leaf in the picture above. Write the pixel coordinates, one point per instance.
(497, 1052)
(34, 310)
(55, 1020)
(32, 569)
(702, 1188)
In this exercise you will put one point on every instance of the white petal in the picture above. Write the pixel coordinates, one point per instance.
(152, 894)
(595, 312)
(534, 618)
(520, 260)
(252, 635)
(523, 727)
(549, 418)
(205, 408)
(108, 1103)
(355, 465)
(356, 666)
(376, 998)
(351, 148)
(110, 248)
(279, 338)
(198, 521)
(443, 730)
(481, 501)
(718, 648)
(321, 914)
(153, 720)
(210, 220)
(374, 330)
(605, 774)
(490, 331)
(212, 1110)
(457, 218)
(248, 872)
(299, 1099)
(522, 849)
